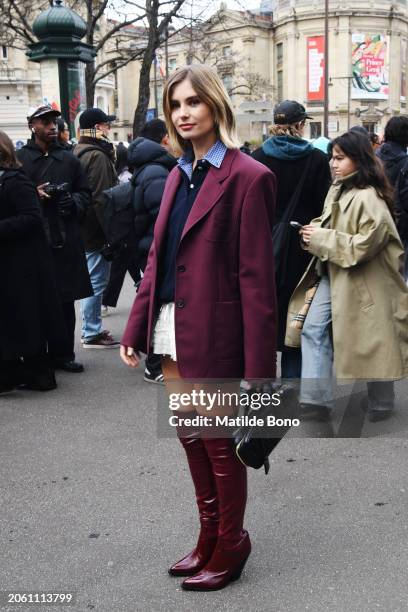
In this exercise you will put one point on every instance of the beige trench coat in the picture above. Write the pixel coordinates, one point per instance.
(369, 296)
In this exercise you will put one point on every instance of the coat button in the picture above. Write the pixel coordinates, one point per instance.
(180, 303)
(181, 268)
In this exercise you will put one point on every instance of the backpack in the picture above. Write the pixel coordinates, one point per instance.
(119, 214)
(401, 202)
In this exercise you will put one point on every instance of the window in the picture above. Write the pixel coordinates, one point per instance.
(4, 52)
(280, 85)
(279, 54)
(100, 103)
(369, 126)
(227, 51)
(315, 129)
(172, 64)
(227, 80)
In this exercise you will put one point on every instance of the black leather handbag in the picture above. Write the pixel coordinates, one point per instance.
(254, 444)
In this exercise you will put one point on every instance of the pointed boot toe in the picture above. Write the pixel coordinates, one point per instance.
(196, 560)
(225, 566)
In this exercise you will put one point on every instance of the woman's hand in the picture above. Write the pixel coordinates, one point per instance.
(306, 232)
(129, 356)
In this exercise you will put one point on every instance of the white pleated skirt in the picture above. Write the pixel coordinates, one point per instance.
(164, 335)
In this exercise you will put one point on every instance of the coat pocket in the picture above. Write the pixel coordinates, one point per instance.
(228, 331)
(220, 224)
(361, 288)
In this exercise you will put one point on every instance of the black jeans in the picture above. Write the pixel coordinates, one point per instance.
(291, 363)
(127, 261)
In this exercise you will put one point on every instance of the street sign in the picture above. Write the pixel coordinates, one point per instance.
(151, 113)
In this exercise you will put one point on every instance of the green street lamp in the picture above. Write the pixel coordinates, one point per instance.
(62, 57)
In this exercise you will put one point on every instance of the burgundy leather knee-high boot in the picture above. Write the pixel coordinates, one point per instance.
(207, 502)
(233, 544)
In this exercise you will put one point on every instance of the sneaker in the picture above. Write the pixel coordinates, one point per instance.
(153, 377)
(105, 311)
(102, 341)
(104, 332)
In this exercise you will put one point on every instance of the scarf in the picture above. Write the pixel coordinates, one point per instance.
(88, 136)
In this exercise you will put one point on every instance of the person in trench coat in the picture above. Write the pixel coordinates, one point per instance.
(358, 255)
(207, 301)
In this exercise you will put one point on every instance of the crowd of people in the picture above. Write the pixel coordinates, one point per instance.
(235, 255)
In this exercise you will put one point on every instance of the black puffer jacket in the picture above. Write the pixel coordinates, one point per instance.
(151, 166)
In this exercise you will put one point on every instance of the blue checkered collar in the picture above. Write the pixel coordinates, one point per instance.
(215, 156)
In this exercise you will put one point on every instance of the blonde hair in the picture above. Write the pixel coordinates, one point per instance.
(209, 88)
(292, 129)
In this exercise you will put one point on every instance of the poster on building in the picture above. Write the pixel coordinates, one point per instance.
(315, 68)
(369, 64)
(403, 69)
(76, 89)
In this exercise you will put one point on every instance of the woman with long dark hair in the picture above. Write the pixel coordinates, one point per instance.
(207, 303)
(30, 310)
(359, 313)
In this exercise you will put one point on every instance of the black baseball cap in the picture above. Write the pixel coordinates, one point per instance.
(91, 116)
(42, 111)
(288, 112)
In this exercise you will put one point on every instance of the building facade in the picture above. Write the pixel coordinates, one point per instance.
(262, 57)
(367, 60)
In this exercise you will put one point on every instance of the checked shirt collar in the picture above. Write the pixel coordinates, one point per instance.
(214, 156)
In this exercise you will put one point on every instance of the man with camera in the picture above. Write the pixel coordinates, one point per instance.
(64, 197)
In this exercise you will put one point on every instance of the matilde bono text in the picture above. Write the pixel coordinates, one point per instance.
(228, 421)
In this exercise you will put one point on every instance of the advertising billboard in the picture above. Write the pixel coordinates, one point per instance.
(369, 64)
(315, 68)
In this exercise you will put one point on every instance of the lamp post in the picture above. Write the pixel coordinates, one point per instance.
(62, 57)
(349, 80)
(326, 70)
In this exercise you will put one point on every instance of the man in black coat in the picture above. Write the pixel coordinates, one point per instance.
(287, 154)
(64, 197)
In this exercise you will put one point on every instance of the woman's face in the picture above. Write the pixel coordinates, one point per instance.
(341, 164)
(191, 117)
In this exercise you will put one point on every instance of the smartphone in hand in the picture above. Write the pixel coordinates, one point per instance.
(296, 224)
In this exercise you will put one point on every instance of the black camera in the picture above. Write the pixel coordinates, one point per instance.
(61, 194)
(54, 191)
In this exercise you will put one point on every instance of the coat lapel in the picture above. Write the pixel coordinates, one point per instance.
(346, 199)
(210, 192)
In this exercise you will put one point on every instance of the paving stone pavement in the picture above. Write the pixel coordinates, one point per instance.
(95, 503)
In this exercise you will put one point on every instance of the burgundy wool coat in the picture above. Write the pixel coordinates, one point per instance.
(226, 313)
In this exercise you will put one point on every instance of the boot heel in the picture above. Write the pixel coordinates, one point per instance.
(238, 572)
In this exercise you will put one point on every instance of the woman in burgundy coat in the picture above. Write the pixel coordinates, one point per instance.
(207, 302)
